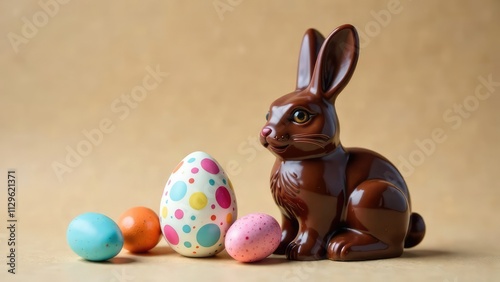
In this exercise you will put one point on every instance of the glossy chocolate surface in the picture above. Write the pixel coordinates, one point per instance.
(336, 203)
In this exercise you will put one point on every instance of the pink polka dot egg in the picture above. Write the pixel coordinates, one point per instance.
(197, 207)
(253, 237)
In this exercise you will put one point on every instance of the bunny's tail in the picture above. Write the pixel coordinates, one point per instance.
(416, 231)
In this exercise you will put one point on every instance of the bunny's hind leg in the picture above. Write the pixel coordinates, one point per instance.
(377, 217)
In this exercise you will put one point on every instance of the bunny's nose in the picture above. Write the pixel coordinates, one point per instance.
(265, 131)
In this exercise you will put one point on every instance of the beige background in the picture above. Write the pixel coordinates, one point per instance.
(224, 70)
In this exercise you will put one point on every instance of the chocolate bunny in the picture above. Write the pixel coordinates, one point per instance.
(336, 203)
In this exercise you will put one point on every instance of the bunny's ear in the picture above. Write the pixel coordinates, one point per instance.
(311, 43)
(336, 62)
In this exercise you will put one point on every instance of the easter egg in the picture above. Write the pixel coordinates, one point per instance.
(140, 227)
(94, 237)
(197, 207)
(253, 237)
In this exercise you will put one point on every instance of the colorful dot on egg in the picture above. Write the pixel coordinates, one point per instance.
(213, 217)
(164, 212)
(224, 181)
(191, 160)
(208, 235)
(193, 217)
(186, 228)
(187, 244)
(210, 166)
(179, 214)
(191, 180)
(212, 182)
(198, 200)
(178, 191)
(177, 167)
(171, 234)
(223, 197)
(212, 206)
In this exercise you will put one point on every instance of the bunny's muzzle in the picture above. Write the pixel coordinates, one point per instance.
(265, 132)
(270, 140)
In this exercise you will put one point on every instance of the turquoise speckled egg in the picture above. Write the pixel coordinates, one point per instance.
(94, 237)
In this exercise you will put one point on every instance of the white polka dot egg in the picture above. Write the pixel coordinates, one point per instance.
(197, 207)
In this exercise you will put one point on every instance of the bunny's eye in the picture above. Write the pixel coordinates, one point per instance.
(267, 116)
(301, 116)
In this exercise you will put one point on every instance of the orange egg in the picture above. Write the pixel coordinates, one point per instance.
(141, 229)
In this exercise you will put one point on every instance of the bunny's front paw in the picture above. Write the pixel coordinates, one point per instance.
(305, 251)
(281, 250)
(290, 228)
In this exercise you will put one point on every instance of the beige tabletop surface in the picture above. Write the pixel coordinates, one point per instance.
(425, 94)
